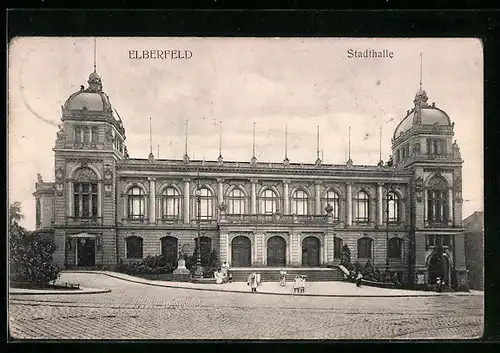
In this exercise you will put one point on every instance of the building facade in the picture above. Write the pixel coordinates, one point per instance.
(474, 249)
(104, 207)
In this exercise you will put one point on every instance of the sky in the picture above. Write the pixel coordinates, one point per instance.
(230, 83)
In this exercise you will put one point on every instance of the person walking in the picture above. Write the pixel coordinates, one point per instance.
(282, 278)
(302, 284)
(296, 284)
(253, 282)
(359, 278)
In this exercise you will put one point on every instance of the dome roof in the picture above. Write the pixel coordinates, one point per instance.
(93, 101)
(422, 114)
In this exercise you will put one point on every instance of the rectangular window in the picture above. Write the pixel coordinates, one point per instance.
(337, 249)
(85, 200)
(446, 240)
(78, 135)
(95, 134)
(86, 135)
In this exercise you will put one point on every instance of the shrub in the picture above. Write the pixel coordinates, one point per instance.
(31, 256)
(345, 256)
(357, 266)
(150, 265)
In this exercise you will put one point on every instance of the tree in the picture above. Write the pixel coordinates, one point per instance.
(15, 215)
(345, 256)
(30, 253)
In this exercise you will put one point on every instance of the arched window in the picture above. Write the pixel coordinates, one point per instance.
(236, 202)
(392, 207)
(331, 198)
(268, 202)
(136, 203)
(362, 207)
(437, 201)
(38, 213)
(206, 204)
(85, 200)
(299, 202)
(134, 247)
(395, 248)
(365, 248)
(170, 202)
(337, 248)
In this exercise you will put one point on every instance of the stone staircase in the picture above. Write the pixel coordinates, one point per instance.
(270, 274)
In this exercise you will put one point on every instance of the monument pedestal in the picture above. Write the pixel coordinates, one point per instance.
(181, 273)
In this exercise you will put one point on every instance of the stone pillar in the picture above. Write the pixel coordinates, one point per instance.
(220, 193)
(349, 203)
(286, 200)
(253, 197)
(426, 210)
(186, 200)
(223, 247)
(325, 249)
(380, 213)
(99, 199)
(71, 211)
(318, 197)
(152, 199)
(450, 206)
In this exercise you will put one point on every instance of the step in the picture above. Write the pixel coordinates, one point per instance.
(273, 274)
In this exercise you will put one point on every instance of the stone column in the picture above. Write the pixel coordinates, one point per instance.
(286, 200)
(186, 200)
(450, 206)
(380, 213)
(99, 199)
(152, 199)
(223, 247)
(318, 197)
(220, 193)
(253, 198)
(426, 211)
(71, 211)
(325, 249)
(349, 203)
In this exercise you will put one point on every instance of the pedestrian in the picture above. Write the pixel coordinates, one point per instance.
(359, 278)
(439, 284)
(296, 284)
(282, 278)
(253, 282)
(302, 284)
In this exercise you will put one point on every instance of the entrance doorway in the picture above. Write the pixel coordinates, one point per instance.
(276, 252)
(438, 267)
(310, 252)
(85, 248)
(241, 252)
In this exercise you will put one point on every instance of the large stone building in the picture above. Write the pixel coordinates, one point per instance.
(474, 249)
(104, 207)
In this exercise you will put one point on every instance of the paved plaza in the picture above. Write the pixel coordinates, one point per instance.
(140, 311)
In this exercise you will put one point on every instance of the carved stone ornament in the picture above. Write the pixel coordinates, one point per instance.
(108, 174)
(108, 188)
(419, 188)
(458, 184)
(84, 174)
(59, 174)
(59, 189)
(61, 133)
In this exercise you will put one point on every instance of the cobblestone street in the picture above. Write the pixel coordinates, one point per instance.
(138, 311)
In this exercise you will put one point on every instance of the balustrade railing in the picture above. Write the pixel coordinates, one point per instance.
(275, 218)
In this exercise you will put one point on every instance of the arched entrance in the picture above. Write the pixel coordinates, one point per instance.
(310, 252)
(438, 267)
(241, 252)
(276, 251)
(169, 249)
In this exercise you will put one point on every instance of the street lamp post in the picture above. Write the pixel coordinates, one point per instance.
(198, 271)
(388, 199)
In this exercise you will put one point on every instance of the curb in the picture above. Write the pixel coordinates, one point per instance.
(267, 293)
(82, 291)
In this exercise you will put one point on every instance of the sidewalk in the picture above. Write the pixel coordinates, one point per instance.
(323, 289)
(23, 291)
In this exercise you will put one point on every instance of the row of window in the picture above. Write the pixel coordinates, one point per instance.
(434, 147)
(437, 241)
(169, 246)
(395, 248)
(170, 204)
(86, 134)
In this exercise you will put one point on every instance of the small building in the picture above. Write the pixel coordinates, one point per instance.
(474, 249)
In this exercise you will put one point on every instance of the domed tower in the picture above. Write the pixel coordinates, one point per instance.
(91, 139)
(423, 143)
